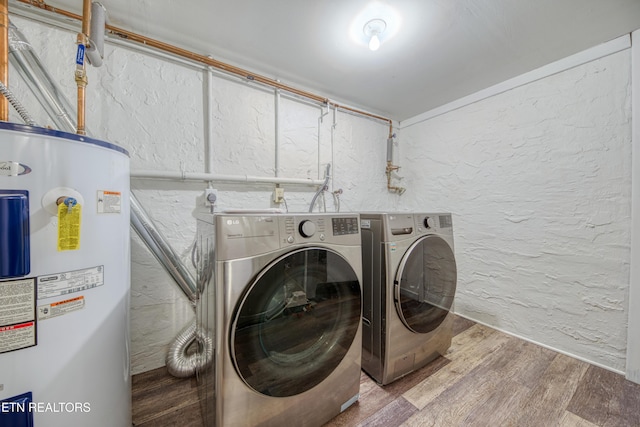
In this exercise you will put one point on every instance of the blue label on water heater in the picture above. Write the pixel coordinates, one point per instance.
(14, 234)
(80, 55)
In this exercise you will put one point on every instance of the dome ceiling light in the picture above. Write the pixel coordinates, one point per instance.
(373, 29)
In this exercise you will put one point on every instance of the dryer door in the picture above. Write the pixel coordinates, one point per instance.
(296, 322)
(425, 284)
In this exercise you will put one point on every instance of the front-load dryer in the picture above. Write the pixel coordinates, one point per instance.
(281, 298)
(409, 284)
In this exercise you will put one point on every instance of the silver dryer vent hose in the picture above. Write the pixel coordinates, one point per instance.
(180, 364)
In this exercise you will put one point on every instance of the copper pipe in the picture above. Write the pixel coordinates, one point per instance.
(86, 19)
(4, 57)
(81, 69)
(393, 189)
(81, 81)
(384, 119)
(128, 35)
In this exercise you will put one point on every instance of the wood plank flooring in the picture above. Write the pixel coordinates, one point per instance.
(487, 378)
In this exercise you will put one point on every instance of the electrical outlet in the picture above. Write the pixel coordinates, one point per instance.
(278, 195)
(210, 196)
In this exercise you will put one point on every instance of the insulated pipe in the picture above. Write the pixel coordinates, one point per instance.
(95, 50)
(42, 85)
(390, 150)
(391, 168)
(4, 57)
(160, 248)
(196, 176)
(17, 105)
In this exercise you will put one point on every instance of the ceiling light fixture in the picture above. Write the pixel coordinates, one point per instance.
(373, 29)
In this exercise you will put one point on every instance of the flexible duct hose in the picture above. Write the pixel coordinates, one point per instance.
(327, 176)
(180, 364)
(17, 105)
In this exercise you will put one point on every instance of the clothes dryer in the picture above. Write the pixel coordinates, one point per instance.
(409, 283)
(281, 298)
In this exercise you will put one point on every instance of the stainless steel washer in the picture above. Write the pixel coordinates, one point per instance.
(282, 300)
(409, 283)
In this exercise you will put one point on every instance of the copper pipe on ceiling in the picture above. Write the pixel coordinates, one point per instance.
(4, 57)
(128, 35)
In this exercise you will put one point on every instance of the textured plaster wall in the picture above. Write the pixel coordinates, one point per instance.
(539, 181)
(155, 109)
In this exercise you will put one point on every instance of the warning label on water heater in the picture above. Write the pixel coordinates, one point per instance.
(69, 282)
(59, 308)
(109, 201)
(17, 315)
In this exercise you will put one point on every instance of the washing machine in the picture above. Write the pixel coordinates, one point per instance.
(409, 284)
(280, 294)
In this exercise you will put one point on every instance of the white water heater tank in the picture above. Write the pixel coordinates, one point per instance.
(64, 280)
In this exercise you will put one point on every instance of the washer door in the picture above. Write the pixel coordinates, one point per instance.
(425, 284)
(296, 322)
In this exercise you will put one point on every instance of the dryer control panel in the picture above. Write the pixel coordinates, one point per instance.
(253, 234)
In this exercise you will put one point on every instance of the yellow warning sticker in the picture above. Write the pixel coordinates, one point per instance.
(69, 227)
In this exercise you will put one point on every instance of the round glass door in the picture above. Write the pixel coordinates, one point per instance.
(296, 322)
(426, 284)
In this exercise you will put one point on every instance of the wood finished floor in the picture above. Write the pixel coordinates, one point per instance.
(487, 378)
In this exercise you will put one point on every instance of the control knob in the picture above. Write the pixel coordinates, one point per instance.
(307, 228)
(428, 222)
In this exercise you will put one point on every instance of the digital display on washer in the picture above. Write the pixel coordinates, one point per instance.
(342, 226)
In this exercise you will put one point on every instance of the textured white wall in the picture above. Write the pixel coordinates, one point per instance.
(539, 181)
(155, 109)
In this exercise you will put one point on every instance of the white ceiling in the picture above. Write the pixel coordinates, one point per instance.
(442, 50)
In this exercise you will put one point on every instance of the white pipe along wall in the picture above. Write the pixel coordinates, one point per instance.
(538, 179)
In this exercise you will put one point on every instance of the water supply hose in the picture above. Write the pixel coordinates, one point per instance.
(324, 186)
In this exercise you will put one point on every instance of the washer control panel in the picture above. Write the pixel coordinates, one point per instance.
(320, 228)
